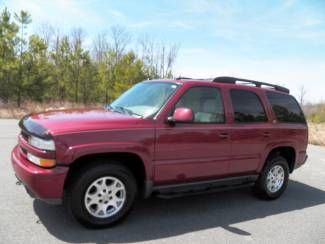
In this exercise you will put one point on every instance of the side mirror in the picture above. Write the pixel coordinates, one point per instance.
(181, 115)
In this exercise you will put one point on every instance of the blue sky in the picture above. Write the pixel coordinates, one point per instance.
(275, 41)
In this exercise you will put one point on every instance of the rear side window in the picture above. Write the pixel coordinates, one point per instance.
(286, 108)
(247, 107)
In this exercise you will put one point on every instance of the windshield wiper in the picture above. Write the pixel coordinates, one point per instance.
(127, 111)
(123, 110)
(109, 107)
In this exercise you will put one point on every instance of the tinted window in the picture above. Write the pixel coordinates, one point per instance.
(247, 107)
(286, 108)
(206, 104)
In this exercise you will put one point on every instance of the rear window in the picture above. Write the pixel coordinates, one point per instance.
(286, 108)
(247, 107)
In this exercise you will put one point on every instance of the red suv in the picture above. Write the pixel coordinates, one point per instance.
(164, 137)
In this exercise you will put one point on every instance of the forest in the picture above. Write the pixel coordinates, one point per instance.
(50, 66)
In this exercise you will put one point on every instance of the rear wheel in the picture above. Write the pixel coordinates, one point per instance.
(101, 195)
(274, 178)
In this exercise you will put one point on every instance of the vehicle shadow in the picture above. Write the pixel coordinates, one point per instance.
(158, 218)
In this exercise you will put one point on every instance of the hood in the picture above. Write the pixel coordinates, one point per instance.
(60, 121)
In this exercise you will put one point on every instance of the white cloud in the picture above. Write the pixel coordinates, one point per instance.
(140, 24)
(288, 4)
(220, 8)
(312, 21)
(160, 23)
(117, 14)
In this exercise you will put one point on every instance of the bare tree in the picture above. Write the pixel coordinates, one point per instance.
(120, 39)
(47, 32)
(78, 36)
(147, 54)
(301, 95)
(158, 56)
(101, 47)
(170, 60)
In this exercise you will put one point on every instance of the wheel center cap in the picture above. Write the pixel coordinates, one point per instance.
(106, 197)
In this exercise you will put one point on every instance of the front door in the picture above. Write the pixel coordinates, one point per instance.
(198, 150)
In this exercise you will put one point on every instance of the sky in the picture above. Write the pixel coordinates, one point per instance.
(276, 41)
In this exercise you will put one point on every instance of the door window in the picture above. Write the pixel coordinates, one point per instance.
(247, 107)
(206, 104)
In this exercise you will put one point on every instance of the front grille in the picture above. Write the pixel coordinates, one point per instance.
(24, 136)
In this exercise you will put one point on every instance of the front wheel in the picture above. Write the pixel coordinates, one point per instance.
(274, 178)
(102, 195)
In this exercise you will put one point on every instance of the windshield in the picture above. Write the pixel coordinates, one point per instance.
(144, 99)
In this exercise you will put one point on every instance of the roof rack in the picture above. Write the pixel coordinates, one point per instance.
(188, 78)
(183, 78)
(233, 80)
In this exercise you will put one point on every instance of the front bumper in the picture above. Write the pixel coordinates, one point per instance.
(44, 184)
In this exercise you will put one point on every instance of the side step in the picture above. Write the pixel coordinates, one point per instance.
(202, 187)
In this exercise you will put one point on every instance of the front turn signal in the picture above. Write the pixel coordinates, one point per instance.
(46, 163)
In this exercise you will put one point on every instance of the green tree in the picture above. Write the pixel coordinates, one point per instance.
(37, 70)
(128, 71)
(8, 59)
(55, 67)
(88, 80)
(24, 19)
(78, 57)
(61, 67)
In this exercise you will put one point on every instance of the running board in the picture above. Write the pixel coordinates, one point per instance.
(196, 188)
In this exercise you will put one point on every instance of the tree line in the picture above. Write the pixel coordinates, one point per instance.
(50, 66)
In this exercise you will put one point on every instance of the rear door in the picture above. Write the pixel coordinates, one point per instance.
(251, 130)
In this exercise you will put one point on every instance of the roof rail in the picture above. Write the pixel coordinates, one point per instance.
(233, 80)
(183, 78)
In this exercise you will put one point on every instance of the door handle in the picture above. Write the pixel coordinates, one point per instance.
(266, 134)
(224, 135)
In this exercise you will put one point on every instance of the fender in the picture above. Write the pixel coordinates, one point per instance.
(74, 152)
(273, 145)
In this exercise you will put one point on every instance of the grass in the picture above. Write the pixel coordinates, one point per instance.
(317, 133)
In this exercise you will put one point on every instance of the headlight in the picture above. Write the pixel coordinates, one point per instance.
(47, 163)
(41, 143)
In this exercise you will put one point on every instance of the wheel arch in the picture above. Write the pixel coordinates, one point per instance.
(130, 160)
(286, 151)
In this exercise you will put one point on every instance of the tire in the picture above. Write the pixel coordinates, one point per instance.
(115, 185)
(279, 166)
